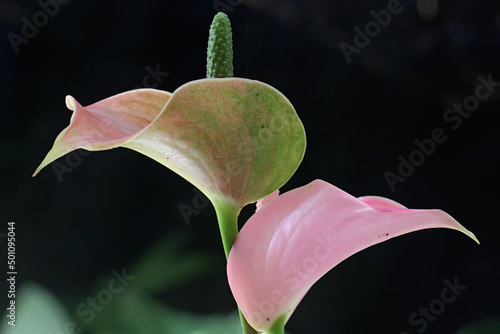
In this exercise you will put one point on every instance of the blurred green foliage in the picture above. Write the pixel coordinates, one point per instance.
(485, 326)
(133, 307)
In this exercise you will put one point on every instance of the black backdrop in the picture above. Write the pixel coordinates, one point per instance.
(360, 116)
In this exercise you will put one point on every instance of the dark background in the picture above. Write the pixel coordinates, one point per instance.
(359, 117)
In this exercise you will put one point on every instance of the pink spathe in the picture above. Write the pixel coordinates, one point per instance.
(109, 123)
(292, 241)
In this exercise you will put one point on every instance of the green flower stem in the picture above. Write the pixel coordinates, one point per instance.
(227, 215)
(277, 331)
(247, 329)
(278, 326)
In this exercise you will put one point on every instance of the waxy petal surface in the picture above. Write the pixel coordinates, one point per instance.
(108, 123)
(232, 138)
(237, 140)
(285, 247)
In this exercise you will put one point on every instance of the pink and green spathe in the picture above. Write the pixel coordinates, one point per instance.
(237, 140)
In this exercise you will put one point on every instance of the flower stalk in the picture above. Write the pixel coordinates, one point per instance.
(227, 216)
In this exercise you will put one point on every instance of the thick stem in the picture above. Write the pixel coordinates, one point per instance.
(279, 326)
(227, 215)
(247, 329)
(280, 330)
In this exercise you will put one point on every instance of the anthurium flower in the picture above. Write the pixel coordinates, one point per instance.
(237, 140)
(294, 239)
